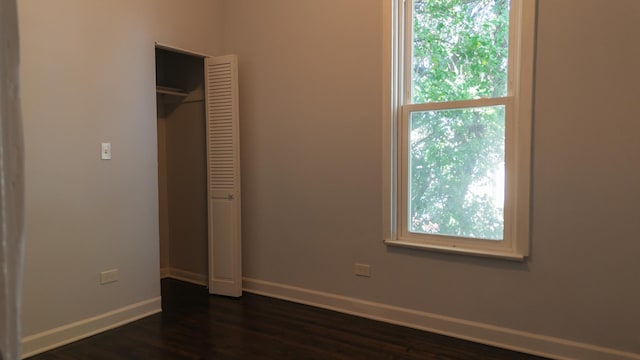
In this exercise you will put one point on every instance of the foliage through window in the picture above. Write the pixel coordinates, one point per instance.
(460, 52)
(464, 122)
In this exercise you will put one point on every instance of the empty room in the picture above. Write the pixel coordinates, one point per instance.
(429, 178)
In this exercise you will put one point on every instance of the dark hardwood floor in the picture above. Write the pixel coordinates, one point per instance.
(195, 325)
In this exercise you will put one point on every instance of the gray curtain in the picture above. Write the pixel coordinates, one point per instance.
(11, 185)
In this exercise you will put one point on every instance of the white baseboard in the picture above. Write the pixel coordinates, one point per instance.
(522, 341)
(50, 339)
(183, 275)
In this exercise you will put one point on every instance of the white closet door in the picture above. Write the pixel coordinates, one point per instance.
(223, 167)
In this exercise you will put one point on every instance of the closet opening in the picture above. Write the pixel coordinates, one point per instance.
(182, 166)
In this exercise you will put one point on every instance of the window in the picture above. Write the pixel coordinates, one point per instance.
(459, 75)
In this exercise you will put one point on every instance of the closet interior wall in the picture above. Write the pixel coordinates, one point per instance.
(182, 165)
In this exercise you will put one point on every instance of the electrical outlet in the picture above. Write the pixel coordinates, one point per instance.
(108, 276)
(363, 270)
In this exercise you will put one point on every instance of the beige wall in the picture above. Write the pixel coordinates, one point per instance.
(88, 77)
(163, 191)
(187, 190)
(310, 90)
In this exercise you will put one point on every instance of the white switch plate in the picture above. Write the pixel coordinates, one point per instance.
(105, 151)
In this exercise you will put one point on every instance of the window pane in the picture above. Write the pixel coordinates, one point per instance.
(456, 172)
(460, 49)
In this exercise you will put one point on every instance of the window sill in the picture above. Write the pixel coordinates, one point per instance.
(456, 250)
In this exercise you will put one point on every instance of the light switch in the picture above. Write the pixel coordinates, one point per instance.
(105, 152)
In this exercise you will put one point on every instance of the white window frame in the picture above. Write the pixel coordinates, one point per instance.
(519, 108)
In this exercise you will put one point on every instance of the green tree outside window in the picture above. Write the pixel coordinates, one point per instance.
(456, 156)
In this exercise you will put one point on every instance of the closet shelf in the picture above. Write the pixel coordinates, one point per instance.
(171, 91)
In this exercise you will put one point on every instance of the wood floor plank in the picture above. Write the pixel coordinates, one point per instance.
(195, 325)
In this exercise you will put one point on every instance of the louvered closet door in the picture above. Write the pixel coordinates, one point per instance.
(223, 165)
